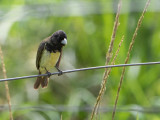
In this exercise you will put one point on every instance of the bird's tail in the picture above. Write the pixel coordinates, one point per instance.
(43, 80)
(37, 83)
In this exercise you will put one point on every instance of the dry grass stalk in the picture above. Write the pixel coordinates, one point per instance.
(61, 117)
(128, 55)
(115, 27)
(104, 82)
(6, 84)
(108, 72)
(108, 57)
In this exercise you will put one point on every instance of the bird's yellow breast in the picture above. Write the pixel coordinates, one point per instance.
(48, 60)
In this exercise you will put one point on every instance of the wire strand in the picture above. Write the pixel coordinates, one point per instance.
(65, 108)
(82, 69)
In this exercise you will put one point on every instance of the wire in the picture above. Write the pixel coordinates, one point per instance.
(65, 108)
(82, 69)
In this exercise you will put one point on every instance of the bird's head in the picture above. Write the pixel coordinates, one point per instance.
(59, 38)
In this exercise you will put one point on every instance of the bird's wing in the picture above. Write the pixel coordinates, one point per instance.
(40, 51)
(39, 54)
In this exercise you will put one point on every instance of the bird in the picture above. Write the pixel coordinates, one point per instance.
(49, 55)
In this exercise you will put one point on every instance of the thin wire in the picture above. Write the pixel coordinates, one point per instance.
(82, 69)
(64, 108)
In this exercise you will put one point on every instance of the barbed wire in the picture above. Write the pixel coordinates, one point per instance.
(82, 69)
(66, 108)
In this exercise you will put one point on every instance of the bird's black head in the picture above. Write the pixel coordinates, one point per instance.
(59, 38)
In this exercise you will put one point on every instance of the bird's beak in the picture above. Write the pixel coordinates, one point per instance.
(64, 42)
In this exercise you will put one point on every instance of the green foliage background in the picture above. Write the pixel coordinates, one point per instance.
(88, 40)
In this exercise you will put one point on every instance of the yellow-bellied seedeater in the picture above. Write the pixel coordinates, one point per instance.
(49, 55)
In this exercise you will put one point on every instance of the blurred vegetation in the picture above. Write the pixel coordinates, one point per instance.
(88, 24)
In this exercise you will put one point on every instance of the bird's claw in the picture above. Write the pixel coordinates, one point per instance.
(60, 72)
(49, 74)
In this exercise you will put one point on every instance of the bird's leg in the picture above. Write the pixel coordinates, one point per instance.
(60, 71)
(47, 72)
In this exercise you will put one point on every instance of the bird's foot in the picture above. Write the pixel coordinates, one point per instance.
(60, 71)
(49, 74)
